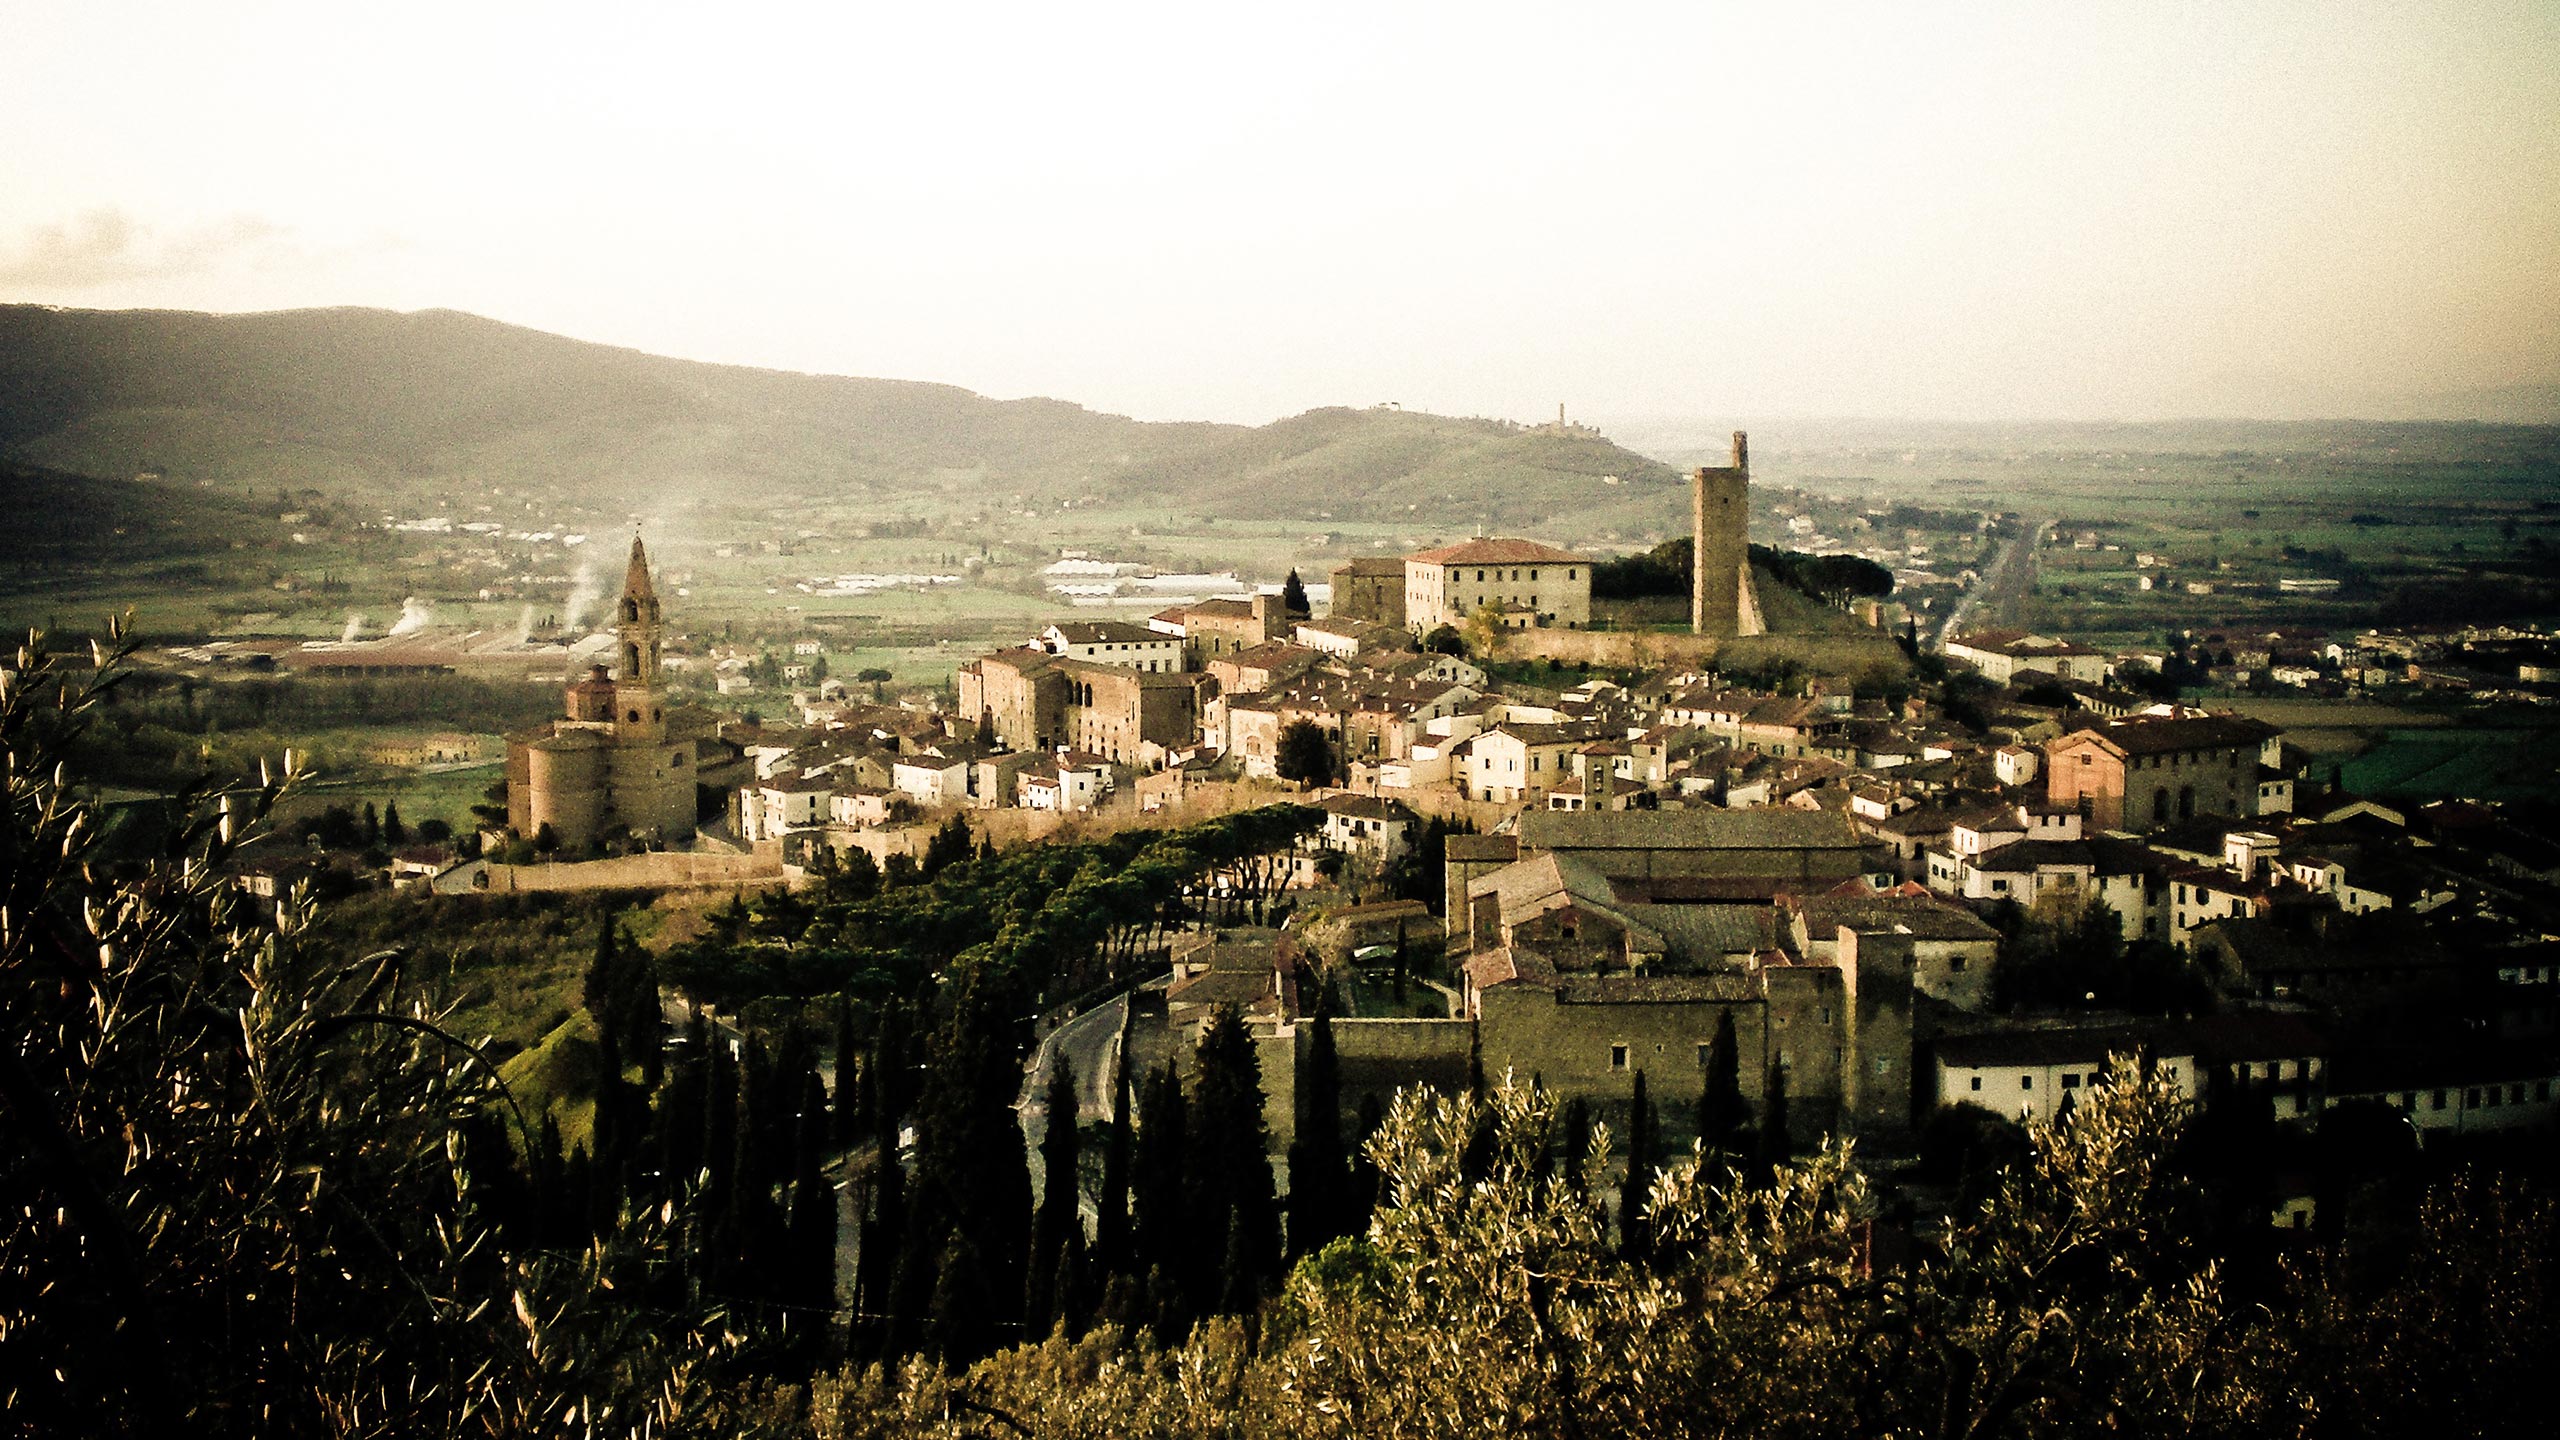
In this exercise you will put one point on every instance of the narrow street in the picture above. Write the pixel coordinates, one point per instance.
(1995, 599)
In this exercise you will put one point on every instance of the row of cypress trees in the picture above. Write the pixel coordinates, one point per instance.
(956, 1256)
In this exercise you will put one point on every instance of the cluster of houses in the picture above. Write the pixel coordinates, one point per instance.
(1643, 858)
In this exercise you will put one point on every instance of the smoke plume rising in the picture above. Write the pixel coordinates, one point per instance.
(584, 592)
(415, 614)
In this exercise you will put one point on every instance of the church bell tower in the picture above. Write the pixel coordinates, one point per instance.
(639, 708)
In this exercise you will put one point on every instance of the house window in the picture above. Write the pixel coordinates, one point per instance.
(2070, 1082)
(2026, 1082)
(1977, 1083)
(1617, 1057)
(2437, 1101)
(1703, 1048)
(1955, 964)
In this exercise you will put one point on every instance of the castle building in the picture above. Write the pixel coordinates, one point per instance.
(607, 766)
(1721, 602)
(1527, 583)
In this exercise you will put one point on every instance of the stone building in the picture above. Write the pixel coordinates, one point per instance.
(2147, 773)
(1370, 588)
(1027, 699)
(1540, 584)
(1212, 628)
(608, 767)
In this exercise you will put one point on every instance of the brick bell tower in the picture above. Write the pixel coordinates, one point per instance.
(639, 710)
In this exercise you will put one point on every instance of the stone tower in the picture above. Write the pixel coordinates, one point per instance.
(1720, 603)
(639, 624)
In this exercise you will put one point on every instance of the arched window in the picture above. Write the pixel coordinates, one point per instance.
(2186, 802)
(635, 717)
(630, 610)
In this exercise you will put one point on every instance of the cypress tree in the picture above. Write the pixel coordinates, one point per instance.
(1111, 1248)
(1722, 1112)
(1633, 1240)
(1318, 1178)
(1057, 1217)
(680, 1121)
(846, 1109)
(1577, 1140)
(394, 831)
(1231, 1205)
(1073, 1285)
(1775, 1146)
(883, 1231)
(810, 1272)
(961, 1321)
(1156, 1168)
(1366, 1181)
(719, 1119)
(971, 1170)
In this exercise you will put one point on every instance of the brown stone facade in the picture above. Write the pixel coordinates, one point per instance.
(1370, 589)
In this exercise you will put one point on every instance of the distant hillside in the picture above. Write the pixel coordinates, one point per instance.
(61, 525)
(356, 402)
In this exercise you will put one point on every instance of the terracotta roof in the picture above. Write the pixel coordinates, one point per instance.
(1098, 632)
(2161, 737)
(1496, 552)
(1687, 830)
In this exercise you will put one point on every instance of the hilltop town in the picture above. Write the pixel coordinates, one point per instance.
(1962, 880)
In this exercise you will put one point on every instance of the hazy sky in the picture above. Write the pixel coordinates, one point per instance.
(1239, 212)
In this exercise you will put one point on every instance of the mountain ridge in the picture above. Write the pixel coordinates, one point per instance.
(358, 397)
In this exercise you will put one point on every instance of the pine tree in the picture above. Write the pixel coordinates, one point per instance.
(1057, 1217)
(1293, 596)
(1722, 1112)
(1318, 1178)
(1633, 1239)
